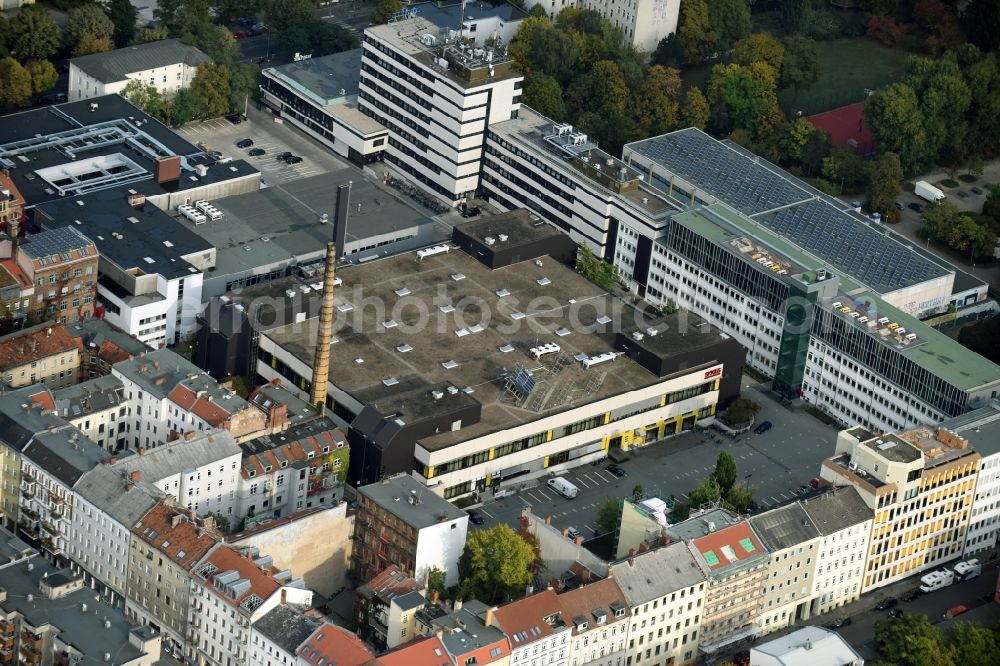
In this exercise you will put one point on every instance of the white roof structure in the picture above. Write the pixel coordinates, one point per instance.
(809, 646)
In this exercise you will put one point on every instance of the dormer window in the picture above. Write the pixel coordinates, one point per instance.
(267, 469)
(284, 464)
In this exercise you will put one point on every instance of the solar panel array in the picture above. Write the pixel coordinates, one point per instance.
(856, 249)
(707, 164)
(60, 241)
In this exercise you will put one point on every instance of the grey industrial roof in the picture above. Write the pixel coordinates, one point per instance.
(66, 454)
(392, 495)
(701, 524)
(54, 242)
(450, 16)
(654, 573)
(323, 79)
(286, 626)
(205, 448)
(13, 550)
(815, 222)
(474, 634)
(837, 510)
(93, 395)
(112, 66)
(84, 631)
(106, 488)
(980, 426)
(21, 418)
(298, 409)
(784, 527)
(152, 240)
(96, 331)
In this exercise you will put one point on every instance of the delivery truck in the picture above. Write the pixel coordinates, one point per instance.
(928, 192)
(563, 487)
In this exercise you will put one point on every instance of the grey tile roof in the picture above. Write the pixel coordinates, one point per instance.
(410, 600)
(106, 488)
(655, 573)
(112, 66)
(837, 510)
(393, 496)
(66, 454)
(95, 332)
(286, 626)
(173, 458)
(88, 397)
(85, 631)
(21, 418)
(784, 527)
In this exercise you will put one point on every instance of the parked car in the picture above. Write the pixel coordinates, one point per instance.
(283, 156)
(256, 152)
(837, 624)
(476, 518)
(239, 35)
(976, 190)
(917, 207)
(895, 612)
(912, 594)
(887, 603)
(293, 159)
(900, 205)
(572, 532)
(234, 118)
(763, 427)
(616, 470)
(471, 212)
(244, 143)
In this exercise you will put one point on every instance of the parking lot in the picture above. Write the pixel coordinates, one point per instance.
(776, 463)
(222, 135)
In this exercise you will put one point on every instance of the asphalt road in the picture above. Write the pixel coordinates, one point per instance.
(778, 462)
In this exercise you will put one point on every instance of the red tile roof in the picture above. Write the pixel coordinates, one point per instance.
(292, 452)
(227, 558)
(36, 343)
(732, 544)
(426, 652)
(336, 646)
(175, 533)
(201, 406)
(524, 620)
(44, 399)
(392, 581)
(15, 272)
(580, 602)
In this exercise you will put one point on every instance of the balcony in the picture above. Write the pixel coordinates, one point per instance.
(29, 514)
(52, 545)
(51, 528)
(28, 490)
(29, 528)
(56, 500)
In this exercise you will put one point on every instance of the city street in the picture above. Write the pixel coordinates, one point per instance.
(778, 462)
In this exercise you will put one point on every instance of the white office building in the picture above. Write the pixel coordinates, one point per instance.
(643, 22)
(167, 65)
(436, 93)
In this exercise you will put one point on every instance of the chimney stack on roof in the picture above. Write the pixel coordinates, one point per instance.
(321, 358)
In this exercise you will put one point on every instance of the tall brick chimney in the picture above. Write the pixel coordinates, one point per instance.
(321, 360)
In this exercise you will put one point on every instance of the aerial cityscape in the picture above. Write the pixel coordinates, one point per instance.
(500, 332)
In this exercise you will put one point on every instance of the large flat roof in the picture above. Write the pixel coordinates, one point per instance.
(980, 426)
(99, 143)
(536, 305)
(816, 222)
(396, 493)
(323, 80)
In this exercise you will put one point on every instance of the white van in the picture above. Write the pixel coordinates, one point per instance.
(563, 487)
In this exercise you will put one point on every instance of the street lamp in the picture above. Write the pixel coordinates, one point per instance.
(746, 480)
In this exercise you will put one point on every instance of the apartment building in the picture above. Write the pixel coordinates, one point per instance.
(231, 589)
(16, 291)
(52, 464)
(920, 485)
(436, 94)
(792, 541)
(844, 522)
(102, 345)
(666, 590)
(736, 240)
(170, 397)
(592, 642)
(108, 502)
(49, 616)
(537, 628)
(735, 565)
(164, 547)
(200, 471)
(981, 428)
(168, 65)
(468, 633)
(24, 413)
(402, 522)
(385, 608)
(11, 206)
(41, 354)
(98, 408)
(62, 266)
(427, 650)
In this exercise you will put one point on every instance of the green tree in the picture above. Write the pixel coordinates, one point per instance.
(795, 15)
(656, 107)
(182, 108)
(982, 18)
(495, 565)
(543, 94)
(244, 84)
(972, 645)
(741, 411)
(537, 11)
(221, 522)
(87, 20)
(760, 47)
(240, 385)
(695, 110)
(43, 75)
(911, 640)
(884, 186)
(695, 33)
(554, 52)
(637, 492)
(384, 10)
(707, 492)
(938, 220)
(124, 16)
(90, 44)
(609, 513)
(725, 472)
(738, 498)
(215, 40)
(210, 89)
(15, 82)
(741, 96)
(437, 581)
(145, 97)
(600, 272)
(730, 21)
(33, 34)
(800, 68)
(680, 511)
(4, 37)
(326, 38)
(895, 118)
(668, 52)
(153, 34)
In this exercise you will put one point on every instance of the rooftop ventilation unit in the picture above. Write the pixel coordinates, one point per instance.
(544, 350)
(489, 240)
(600, 358)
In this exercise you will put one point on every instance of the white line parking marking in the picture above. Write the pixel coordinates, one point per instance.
(543, 494)
(487, 513)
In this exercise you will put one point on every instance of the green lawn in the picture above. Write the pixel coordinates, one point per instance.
(846, 67)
